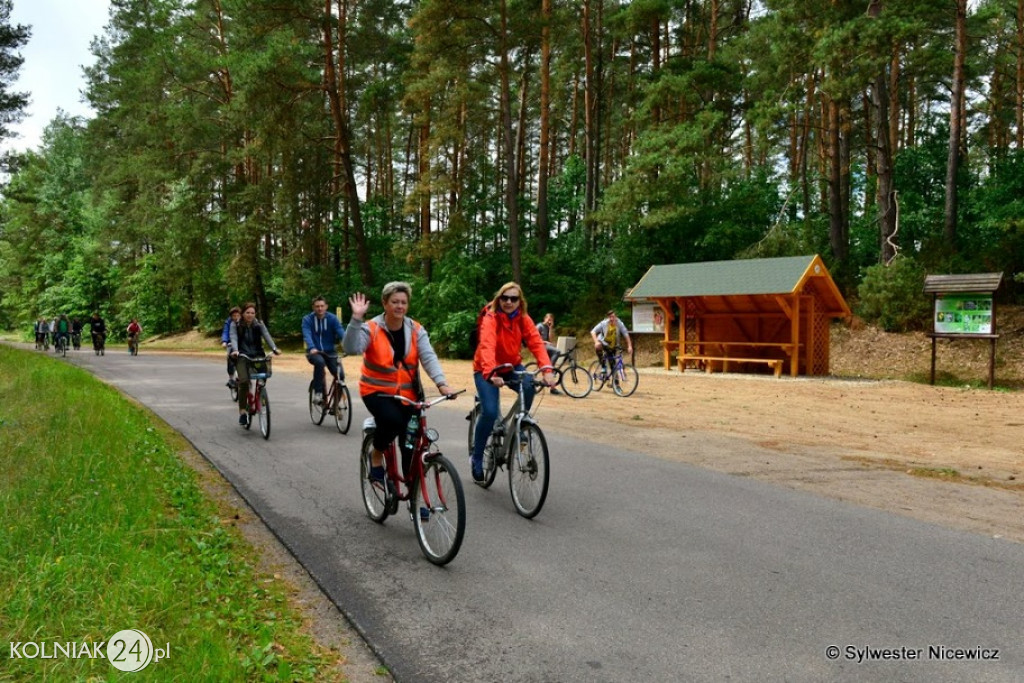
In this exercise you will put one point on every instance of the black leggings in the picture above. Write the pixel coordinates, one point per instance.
(391, 416)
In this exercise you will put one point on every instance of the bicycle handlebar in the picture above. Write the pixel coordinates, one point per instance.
(254, 360)
(431, 402)
(504, 366)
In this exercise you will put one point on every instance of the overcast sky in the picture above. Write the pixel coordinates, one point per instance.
(54, 57)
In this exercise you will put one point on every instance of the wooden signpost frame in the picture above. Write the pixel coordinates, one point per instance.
(980, 284)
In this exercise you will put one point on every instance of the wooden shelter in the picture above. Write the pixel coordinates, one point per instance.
(772, 312)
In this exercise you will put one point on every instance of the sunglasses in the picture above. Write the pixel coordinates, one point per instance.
(509, 299)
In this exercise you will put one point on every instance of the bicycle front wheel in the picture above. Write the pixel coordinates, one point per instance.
(528, 473)
(596, 372)
(264, 414)
(316, 411)
(342, 408)
(439, 511)
(625, 380)
(375, 495)
(576, 381)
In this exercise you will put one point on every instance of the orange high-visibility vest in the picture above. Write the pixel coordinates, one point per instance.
(380, 374)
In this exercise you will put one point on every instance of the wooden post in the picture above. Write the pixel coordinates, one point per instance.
(933, 360)
(794, 360)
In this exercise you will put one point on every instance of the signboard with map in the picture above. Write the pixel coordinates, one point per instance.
(963, 314)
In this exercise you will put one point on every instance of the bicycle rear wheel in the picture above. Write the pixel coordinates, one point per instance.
(375, 494)
(342, 408)
(316, 411)
(264, 413)
(576, 381)
(528, 473)
(625, 380)
(439, 511)
(597, 375)
(489, 461)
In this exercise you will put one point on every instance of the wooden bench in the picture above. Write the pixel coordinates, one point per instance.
(774, 363)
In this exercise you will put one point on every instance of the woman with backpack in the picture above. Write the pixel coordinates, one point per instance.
(504, 327)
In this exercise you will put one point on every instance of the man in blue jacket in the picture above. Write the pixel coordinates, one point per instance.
(321, 330)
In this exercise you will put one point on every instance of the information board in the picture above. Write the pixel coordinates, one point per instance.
(648, 318)
(963, 314)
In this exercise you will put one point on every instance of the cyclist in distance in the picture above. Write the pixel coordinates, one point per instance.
(234, 315)
(610, 334)
(42, 328)
(247, 336)
(546, 329)
(97, 330)
(393, 347)
(504, 329)
(321, 330)
(63, 328)
(134, 330)
(76, 333)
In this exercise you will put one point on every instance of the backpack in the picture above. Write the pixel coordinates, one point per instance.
(474, 334)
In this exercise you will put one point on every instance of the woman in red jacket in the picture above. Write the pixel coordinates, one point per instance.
(504, 329)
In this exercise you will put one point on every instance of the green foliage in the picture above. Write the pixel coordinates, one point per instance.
(893, 296)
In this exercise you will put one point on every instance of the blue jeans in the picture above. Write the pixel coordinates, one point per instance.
(318, 361)
(488, 394)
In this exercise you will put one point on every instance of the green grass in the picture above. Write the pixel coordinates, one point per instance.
(104, 528)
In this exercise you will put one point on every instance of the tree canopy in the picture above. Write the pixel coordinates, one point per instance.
(271, 151)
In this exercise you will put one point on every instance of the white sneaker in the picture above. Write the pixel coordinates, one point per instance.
(318, 398)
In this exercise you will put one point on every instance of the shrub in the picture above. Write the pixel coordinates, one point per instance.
(893, 298)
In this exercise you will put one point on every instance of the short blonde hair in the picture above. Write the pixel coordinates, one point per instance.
(393, 287)
(493, 305)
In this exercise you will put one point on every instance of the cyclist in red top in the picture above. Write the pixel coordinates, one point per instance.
(503, 330)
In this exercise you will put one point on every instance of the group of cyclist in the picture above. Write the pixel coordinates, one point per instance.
(68, 331)
(395, 347)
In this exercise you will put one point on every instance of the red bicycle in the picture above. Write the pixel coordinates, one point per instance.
(433, 489)
(257, 400)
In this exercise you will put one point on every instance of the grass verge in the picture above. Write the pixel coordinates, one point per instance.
(104, 528)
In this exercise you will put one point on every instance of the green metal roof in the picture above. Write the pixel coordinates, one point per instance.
(723, 278)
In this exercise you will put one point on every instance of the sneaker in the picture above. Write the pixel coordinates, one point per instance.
(231, 384)
(478, 469)
(243, 420)
(424, 514)
(555, 392)
(377, 473)
(318, 398)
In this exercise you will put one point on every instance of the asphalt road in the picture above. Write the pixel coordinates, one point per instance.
(636, 569)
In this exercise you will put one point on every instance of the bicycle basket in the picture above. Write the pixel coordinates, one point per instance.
(260, 369)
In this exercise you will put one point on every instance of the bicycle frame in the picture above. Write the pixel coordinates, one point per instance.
(425, 439)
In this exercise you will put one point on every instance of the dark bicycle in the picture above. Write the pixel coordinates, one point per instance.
(573, 378)
(337, 401)
(517, 443)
